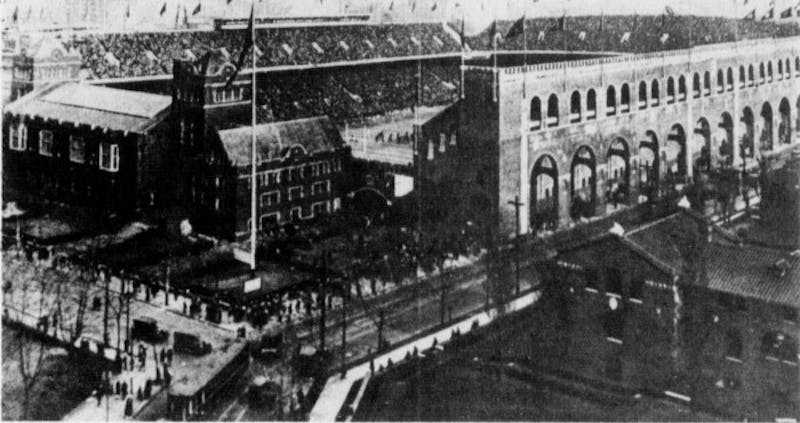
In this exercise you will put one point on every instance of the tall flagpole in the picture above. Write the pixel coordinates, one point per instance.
(253, 154)
(524, 51)
(463, 44)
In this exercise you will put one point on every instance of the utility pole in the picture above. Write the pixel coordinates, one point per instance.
(380, 329)
(517, 204)
(321, 300)
(105, 306)
(345, 294)
(442, 301)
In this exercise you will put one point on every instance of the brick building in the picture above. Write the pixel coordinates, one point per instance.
(581, 137)
(88, 145)
(681, 308)
(304, 165)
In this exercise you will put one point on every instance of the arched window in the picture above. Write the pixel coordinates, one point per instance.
(780, 70)
(611, 101)
(761, 73)
(751, 76)
(654, 94)
(797, 66)
(682, 88)
(575, 107)
(787, 69)
(720, 81)
(625, 99)
(536, 113)
(742, 77)
(696, 86)
(642, 95)
(670, 90)
(707, 83)
(591, 104)
(552, 111)
(769, 71)
(730, 79)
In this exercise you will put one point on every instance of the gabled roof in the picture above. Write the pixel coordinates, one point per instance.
(765, 274)
(93, 105)
(315, 135)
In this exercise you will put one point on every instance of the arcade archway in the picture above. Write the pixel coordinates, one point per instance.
(619, 171)
(747, 146)
(649, 163)
(702, 158)
(674, 156)
(765, 138)
(725, 149)
(544, 194)
(785, 125)
(583, 183)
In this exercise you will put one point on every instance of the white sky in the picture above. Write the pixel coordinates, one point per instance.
(478, 13)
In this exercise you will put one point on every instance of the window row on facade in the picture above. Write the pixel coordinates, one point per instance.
(649, 93)
(273, 198)
(108, 153)
(296, 213)
(296, 173)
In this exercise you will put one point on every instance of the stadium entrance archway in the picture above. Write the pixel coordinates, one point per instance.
(583, 183)
(765, 138)
(619, 170)
(725, 149)
(544, 194)
(649, 163)
(674, 156)
(747, 146)
(785, 125)
(702, 159)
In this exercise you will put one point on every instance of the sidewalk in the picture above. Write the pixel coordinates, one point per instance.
(335, 391)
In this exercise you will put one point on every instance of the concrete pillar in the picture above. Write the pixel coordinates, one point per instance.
(689, 131)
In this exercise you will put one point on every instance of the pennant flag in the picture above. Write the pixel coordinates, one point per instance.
(496, 37)
(750, 16)
(111, 59)
(150, 55)
(15, 16)
(128, 11)
(668, 10)
(786, 13)
(434, 7)
(197, 9)
(413, 6)
(185, 17)
(317, 47)
(391, 5)
(344, 45)
(228, 1)
(541, 36)
(582, 36)
(246, 44)
(517, 28)
(769, 15)
(163, 9)
(625, 37)
(602, 18)
(664, 38)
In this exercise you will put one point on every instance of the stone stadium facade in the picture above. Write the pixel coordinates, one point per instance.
(555, 134)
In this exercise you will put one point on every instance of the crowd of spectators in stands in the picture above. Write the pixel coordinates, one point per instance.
(646, 33)
(350, 93)
(145, 54)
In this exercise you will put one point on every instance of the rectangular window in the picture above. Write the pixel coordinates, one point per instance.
(320, 187)
(77, 149)
(109, 157)
(295, 193)
(295, 213)
(319, 208)
(46, 143)
(270, 198)
(18, 137)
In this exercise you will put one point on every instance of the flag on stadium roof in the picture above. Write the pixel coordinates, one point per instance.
(197, 9)
(582, 36)
(16, 14)
(517, 28)
(128, 11)
(668, 10)
(561, 23)
(750, 16)
(163, 9)
(434, 6)
(494, 34)
(625, 37)
(228, 1)
(246, 44)
(391, 5)
(664, 38)
(770, 14)
(541, 36)
(461, 35)
(786, 13)
(602, 18)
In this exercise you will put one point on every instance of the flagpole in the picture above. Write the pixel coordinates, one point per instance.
(494, 66)
(463, 63)
(524, 53)
(253, 154)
